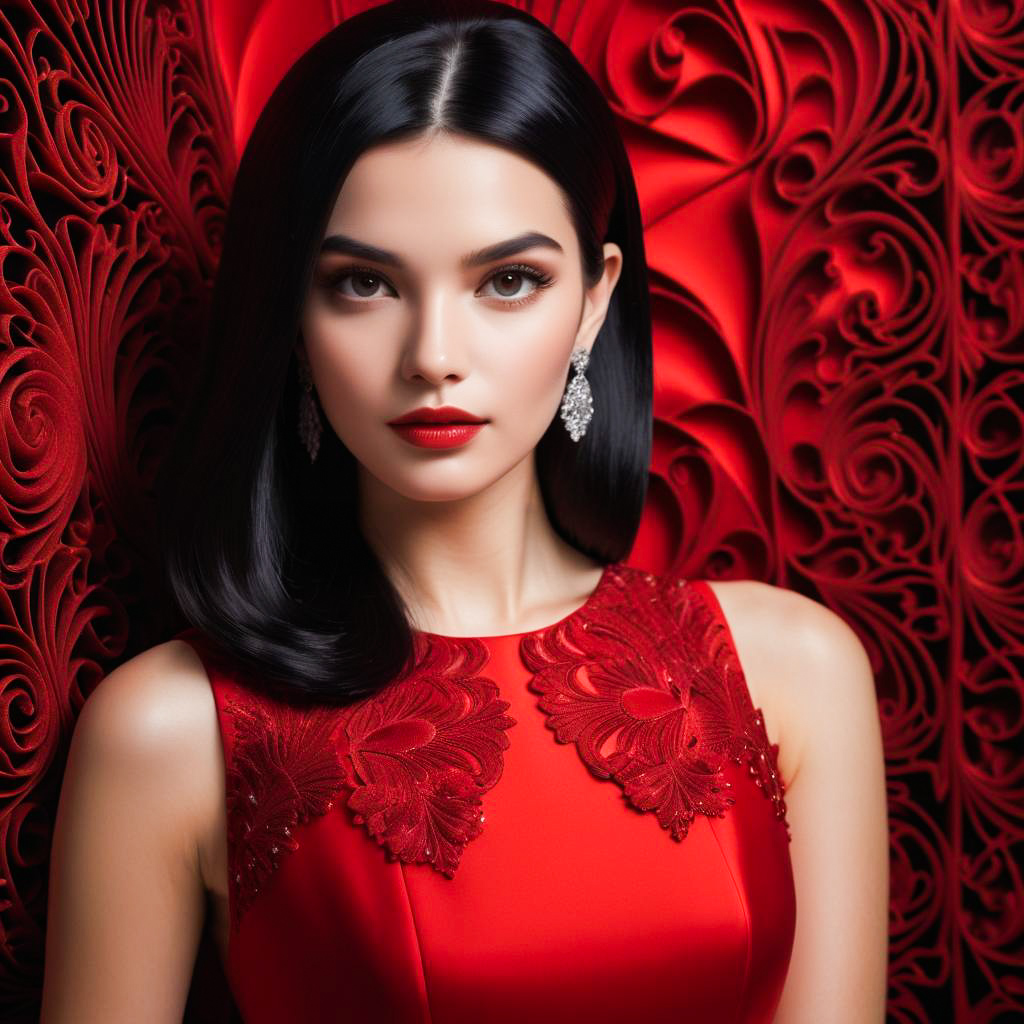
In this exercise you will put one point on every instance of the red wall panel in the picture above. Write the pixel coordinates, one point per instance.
(834, 204)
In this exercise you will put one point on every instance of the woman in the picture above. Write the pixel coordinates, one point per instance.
(430, 749)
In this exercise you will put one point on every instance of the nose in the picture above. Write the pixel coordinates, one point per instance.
(434, 351)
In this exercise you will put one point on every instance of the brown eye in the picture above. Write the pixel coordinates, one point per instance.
(364, 285)
(359, 283)
(508, 283)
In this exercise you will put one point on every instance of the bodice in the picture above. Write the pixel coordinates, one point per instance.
(584, 820)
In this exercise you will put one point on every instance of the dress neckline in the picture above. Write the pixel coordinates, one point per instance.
(598, 591)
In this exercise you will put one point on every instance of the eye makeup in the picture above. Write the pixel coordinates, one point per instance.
(331, 280)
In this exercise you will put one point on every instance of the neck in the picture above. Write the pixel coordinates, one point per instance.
(477, 565)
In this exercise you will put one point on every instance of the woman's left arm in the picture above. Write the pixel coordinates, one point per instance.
(822, 691)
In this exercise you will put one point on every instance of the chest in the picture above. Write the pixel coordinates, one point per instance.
(569, 901)
(618, 698)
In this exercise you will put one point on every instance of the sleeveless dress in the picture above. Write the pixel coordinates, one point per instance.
(582, 822)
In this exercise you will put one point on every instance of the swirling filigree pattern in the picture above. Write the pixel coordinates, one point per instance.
(115, 168)
(832, 195)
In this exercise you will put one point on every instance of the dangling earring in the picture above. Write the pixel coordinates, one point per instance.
(578, 403)
(310, 426)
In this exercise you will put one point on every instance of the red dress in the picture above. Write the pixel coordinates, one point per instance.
(582, 822)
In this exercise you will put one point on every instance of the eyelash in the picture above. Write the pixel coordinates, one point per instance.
(539, 277)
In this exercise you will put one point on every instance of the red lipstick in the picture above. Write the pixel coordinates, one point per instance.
(444, 427)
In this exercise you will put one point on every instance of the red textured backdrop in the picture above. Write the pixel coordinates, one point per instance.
(834, 202)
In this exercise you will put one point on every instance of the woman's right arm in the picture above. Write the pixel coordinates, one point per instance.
(126, 896)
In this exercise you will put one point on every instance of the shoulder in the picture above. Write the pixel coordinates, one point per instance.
(152, 721)
(803, 663)
(126, 877)
(785, 623)
(152, 704)
(813, 670)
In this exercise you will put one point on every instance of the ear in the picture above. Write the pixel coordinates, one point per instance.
(597, 297)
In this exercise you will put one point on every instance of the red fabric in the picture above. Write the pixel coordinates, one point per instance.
(580, 822)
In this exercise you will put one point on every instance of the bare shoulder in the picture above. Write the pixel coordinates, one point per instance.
(138, 799)
(785, 623)
(811, 671)
(155, 716)
(804, 665)
(154, 706)
(160, 674)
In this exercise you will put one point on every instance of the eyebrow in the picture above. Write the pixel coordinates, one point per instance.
(500, 250)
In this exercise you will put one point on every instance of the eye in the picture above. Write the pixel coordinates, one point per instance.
(508, 283)
(359, 283)
(366, 283)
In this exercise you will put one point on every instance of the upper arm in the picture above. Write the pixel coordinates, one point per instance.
(126, 897)
(823, 692)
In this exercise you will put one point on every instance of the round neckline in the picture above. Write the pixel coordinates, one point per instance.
(598, 590)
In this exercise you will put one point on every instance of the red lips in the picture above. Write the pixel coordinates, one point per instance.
(441, 414)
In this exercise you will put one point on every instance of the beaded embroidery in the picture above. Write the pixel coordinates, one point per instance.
(284, 771)
(642, 679)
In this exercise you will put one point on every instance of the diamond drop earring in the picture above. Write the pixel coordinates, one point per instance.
(578, 403)
(310, 426)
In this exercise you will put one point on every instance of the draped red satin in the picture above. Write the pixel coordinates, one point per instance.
(568, 901)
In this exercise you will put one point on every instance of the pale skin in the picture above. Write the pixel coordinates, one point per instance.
(140, 842)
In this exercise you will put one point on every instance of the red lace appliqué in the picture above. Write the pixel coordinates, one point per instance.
(650, 690)
(424, 751)
(417, 757)
(284, 771)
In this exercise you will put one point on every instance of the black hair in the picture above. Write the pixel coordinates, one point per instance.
(263, 552)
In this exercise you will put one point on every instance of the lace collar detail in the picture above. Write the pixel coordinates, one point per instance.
(641, 678)
(653, 675)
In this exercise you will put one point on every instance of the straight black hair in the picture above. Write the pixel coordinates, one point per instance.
(264, 555)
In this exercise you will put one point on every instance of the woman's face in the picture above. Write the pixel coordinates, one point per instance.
(432, 320)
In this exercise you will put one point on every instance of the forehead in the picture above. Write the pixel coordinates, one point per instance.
(447, 188)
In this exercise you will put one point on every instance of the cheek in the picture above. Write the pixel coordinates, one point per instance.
(353, 388)
(526, 363)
